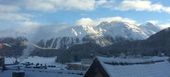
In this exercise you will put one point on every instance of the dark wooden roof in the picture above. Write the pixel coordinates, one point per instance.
(95, 68)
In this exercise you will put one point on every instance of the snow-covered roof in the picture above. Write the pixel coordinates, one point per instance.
(160, 68)
(132, 59)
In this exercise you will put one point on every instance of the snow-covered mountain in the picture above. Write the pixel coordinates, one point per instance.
(69, 36)
(106, 33)
(149, 28)
(122, 29)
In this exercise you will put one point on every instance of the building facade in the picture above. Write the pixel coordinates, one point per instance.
(2, 63)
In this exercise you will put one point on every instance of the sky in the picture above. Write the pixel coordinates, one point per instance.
(30, 14)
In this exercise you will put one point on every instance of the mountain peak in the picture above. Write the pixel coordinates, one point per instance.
(150, 28)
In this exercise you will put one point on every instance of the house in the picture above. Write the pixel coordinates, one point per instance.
(83, 65)
(86, 61)
(77, 66)
(2, 62)
(129, 67)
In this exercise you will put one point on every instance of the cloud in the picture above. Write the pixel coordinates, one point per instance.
(54, 5)
(41, 5)
(18, 12)
(112, 19)
(104, 3)
(28, 26)
(12, 16)
(80, 4)
(85, 21)
(166, 9)
(153, 21)
(142, 5)
(89, 5)
(165, 25)
(10, 13)
(95, 22)
(8, 8)
(138, 5)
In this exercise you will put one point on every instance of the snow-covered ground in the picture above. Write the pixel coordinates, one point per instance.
(32, 59)
(41, 60)
(32, 71)
(44, 73)
(49, 61)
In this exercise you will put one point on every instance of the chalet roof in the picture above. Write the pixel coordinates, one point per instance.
(136, 67)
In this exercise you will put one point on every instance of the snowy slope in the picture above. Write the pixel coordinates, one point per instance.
(68, 36)
(149, 28)
(77, 31)
(122, 29)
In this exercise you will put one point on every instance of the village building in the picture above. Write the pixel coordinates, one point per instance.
(129, 67)
(2, 62)
(77, 66)
(83, 65)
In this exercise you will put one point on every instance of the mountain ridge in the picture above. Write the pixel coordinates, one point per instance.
(104, 34)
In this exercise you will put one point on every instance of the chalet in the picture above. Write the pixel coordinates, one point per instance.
(1, 62)
(77, 66)
(83, 65)
(129, 67)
